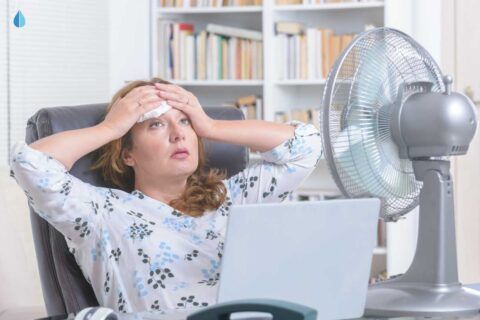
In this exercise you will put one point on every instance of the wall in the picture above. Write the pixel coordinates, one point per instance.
(422, 20)
(129, 42)
(461, 50)
(117, 49)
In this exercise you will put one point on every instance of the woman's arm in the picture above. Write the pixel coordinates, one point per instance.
(258, 135)
(282, 170)
(69, 146)
(290, 151)
(72, 206)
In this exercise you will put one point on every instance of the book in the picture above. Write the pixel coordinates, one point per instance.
(246, 100)
(303, 57)
(300, 115)
(234, 32)
(292, 28)
(185, 31)
(190, 58)
(186, 55)
(280, 117)
(208, 3)
(201, 53)
(311, 48)
(251, 106)
(288, 2)
(326, 59)
(311, 54)
(164, 53)
(259, 108)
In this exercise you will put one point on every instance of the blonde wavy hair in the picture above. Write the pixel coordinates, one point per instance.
(204, 190)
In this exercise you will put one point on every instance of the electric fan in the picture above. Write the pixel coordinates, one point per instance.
(389, 122)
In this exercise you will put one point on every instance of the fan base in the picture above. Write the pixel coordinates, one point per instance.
(392, 298)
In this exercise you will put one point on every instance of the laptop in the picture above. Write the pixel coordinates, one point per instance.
(314, 253)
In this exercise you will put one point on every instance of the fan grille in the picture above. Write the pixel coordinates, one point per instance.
(358, 101)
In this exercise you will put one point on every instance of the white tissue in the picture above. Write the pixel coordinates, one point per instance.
(164, 107)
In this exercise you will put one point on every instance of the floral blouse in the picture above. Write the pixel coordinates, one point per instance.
(139, 253)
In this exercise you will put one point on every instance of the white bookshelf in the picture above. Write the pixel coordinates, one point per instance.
(167, 10)
(278, 95)
(300, 82)
(331, 6)
(219, 83)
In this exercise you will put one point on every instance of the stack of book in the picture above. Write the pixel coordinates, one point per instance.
(307, 53)
(291, 2)
(208, 3)
(216, 53)
(288, 2)
(251, 106)
(305, 115)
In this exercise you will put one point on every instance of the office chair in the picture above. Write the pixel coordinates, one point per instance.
(65, 289)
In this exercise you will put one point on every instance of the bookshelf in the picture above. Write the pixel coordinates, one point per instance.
(219, 83)
(330, 6)
(298, 82)
(278, 94)
(166, 10)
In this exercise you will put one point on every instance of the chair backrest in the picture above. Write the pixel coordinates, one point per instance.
(64, 287)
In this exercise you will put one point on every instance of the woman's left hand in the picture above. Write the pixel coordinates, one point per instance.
(185, 101)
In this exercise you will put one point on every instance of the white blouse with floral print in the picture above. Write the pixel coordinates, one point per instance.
(137, 252)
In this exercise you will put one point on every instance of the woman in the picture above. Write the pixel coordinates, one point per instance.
(154, 240)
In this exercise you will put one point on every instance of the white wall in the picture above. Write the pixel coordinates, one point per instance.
(462, 48)
(421, 19)
(129, 42)
(125, 37)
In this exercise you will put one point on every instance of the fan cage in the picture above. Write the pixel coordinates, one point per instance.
(359, 98)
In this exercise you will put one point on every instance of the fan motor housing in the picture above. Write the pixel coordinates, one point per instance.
(436, 124)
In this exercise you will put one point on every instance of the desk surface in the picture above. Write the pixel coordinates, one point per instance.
(153, 317)
(178, 315)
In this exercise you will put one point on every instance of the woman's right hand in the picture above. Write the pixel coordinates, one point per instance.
(126, 111)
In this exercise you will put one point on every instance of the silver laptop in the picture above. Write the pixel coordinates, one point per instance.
(315, 253)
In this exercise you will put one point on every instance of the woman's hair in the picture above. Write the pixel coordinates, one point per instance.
(204, 190)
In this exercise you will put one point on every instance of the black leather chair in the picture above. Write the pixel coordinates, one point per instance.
(65, 290)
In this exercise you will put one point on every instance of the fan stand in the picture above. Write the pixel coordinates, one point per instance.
(430, 287)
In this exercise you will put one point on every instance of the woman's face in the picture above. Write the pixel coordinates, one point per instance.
(155, 143)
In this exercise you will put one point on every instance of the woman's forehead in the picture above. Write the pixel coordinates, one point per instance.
(170, 114)
(173, 113)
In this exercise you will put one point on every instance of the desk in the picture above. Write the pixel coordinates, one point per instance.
(178, 315)
(151, 316)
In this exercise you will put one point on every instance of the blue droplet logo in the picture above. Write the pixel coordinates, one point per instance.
(19, 20)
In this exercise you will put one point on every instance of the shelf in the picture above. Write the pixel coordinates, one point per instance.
(380, 250)
(237, 9)
(330, 6)
(278, 94)
(300, 82)
(218, 83)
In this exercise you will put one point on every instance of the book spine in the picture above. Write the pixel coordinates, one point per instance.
(260, 59)
(318, 54)
(162, 49)
(176, 51)
(311, 61)
(231, 58)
